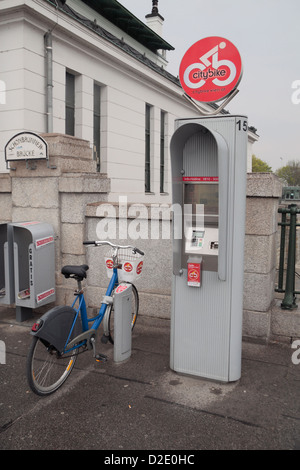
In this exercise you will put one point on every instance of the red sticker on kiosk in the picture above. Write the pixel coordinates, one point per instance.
(43, 295)
(44, 241)
(201, 179)
(121, 288)
(194, 275)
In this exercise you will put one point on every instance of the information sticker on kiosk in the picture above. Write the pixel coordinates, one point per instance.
(201, 196)
(194, 273)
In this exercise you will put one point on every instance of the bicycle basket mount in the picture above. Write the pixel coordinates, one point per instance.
(130, 265)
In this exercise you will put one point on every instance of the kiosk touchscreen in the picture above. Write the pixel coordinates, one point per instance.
(201, 227)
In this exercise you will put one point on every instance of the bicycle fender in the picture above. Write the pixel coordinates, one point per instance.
(55, 325)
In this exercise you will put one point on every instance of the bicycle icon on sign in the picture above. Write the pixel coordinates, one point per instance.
(214, 72)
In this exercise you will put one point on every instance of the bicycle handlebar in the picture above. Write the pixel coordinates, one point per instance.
(105, 242)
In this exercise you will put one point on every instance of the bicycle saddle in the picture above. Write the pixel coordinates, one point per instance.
(78, 272)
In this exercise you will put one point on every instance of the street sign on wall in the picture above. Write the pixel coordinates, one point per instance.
(210, 69)
(26, 146)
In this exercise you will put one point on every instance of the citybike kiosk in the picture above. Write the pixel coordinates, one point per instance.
(208, 159)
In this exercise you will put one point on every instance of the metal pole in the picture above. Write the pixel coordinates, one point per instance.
(289, 301)
(219, 109)
(282, 246)
(49, 73)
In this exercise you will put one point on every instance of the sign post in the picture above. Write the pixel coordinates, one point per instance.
(209, 167)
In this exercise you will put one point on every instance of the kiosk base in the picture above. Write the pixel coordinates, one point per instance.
(23, 313)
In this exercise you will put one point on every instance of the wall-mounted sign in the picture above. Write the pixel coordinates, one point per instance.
(210, 69)
(26, 146)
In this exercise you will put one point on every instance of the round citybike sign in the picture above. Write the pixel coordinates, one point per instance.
(210, 69)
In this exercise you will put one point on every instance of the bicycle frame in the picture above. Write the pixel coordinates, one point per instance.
(83, 312)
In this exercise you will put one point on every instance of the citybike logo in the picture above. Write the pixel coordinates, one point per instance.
(193, 275)
(128, 267)
(210, 69)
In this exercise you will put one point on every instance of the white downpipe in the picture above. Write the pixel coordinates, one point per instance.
(49, 78)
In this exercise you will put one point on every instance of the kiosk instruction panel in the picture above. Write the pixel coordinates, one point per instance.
(201, 227)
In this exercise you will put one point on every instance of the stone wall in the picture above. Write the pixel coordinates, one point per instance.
(263, 192)
(56, 193)
(263, 317)
(68, 193)
(154, 286)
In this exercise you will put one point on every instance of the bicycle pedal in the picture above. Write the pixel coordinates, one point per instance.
(101, 358)
(104, 339)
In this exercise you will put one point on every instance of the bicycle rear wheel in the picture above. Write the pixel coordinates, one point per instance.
(47, 369)
(135, 311)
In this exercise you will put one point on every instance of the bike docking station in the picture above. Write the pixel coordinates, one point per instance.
(129, 269)
(122, 322)
(208, 160)
(27, 266)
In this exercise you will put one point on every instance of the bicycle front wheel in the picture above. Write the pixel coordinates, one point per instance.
(135, 311)
(47, 369)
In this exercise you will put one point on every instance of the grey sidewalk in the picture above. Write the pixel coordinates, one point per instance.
(142, 404)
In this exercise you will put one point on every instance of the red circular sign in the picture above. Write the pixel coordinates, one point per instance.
(139, 267)
(194, 275)
(109, 263)
(127, 267)
(210, 69)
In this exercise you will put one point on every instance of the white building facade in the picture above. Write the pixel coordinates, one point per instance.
(76, 68)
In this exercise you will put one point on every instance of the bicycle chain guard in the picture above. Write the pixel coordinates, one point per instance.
(55, 325)
(88, 335)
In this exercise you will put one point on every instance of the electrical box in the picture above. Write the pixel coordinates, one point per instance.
(34, 264)
(208, 159)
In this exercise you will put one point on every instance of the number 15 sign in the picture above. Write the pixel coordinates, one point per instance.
(210, 69)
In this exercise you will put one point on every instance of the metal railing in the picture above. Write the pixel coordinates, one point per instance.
(289, 301)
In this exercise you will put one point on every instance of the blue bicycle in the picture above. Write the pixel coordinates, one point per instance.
(63, 332)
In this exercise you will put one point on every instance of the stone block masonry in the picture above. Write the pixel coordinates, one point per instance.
(68, 194)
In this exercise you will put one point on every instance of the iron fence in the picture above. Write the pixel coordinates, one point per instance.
(288, 219)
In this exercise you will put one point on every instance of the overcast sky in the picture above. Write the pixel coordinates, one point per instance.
(267, 35)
